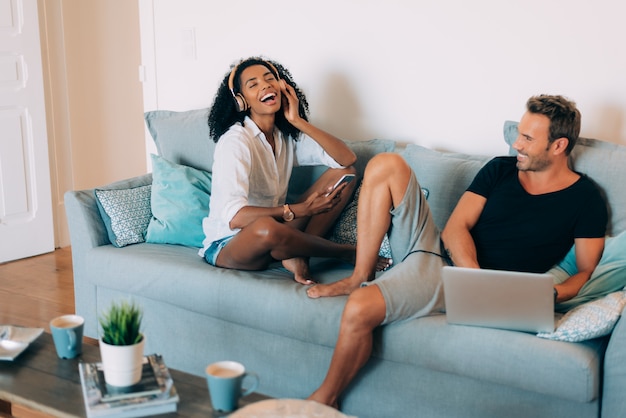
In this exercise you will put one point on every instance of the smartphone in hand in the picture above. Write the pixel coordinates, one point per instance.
(346, 178)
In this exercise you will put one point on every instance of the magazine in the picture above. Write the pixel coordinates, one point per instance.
(154, 394)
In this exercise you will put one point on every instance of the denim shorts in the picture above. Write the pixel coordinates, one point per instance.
(211, 253)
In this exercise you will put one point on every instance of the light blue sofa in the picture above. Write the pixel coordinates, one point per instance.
(196, 314)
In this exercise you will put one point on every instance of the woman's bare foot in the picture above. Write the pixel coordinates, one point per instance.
(300, 269)
(383, 263)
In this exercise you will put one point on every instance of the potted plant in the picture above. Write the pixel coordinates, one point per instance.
(122, 344)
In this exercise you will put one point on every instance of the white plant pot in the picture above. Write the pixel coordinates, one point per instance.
(122, 364)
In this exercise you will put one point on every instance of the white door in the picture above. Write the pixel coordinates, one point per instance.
(26, 224)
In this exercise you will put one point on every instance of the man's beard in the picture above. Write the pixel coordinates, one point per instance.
(538, 163)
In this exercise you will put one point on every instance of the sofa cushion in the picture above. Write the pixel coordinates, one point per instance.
(604, 163)
(180, 200)
(125, 213)
(512, 359)
(178, 277)
(182, 137)
(446, 176)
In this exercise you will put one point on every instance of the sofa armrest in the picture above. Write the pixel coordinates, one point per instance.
(87, 231)
(86, 227)
(614, 385)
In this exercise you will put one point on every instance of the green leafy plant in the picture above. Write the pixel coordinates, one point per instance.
(121, 323)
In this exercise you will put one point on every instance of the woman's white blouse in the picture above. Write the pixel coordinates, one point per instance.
(247, 173)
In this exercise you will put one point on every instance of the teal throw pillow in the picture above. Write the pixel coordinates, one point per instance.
(180, 200)
(125, 213)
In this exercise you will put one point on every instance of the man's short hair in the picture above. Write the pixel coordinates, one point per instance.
(563, 114)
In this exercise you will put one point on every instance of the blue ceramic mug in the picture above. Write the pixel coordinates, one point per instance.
(67, 333)
(225, 380)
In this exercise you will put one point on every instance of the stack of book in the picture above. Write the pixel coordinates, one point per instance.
(154, 394)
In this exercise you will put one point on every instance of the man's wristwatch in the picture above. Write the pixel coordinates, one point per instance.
(288, 215)
(556, 294)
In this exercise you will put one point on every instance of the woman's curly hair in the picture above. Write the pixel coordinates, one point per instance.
(224, 114)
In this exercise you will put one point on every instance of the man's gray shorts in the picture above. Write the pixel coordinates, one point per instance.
(412, 287)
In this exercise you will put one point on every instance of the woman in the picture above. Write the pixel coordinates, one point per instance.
(258, 119)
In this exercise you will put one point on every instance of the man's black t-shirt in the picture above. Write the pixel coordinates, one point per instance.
(523, 232)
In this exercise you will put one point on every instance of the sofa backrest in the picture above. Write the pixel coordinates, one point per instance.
(183, 138)
(604, 163)
(444, 177)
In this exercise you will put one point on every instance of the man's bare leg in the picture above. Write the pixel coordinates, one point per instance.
(364, 311)
(384, 184)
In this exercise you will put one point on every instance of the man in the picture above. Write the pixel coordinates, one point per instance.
(520, 213)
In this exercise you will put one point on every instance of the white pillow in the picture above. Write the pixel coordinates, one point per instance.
(126, 213)
(590, 320)
(344, 231)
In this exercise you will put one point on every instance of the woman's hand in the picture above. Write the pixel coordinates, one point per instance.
(332, 145)
(291, 105)
(320, 202)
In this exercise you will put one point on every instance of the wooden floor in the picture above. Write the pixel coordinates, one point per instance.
(34, 290)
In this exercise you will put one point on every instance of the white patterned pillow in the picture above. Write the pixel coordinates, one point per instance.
(126, 213)
(344, 231)
(590, 320)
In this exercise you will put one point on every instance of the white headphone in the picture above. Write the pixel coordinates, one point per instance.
(240, 101)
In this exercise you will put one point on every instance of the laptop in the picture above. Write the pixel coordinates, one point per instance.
(499, 299)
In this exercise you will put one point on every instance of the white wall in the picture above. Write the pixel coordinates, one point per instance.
(440, 73)
(90, 53)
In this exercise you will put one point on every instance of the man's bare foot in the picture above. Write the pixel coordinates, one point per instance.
(339, 288)
(300, 269)
(314, 397)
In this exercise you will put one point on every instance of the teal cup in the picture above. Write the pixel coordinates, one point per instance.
(67, 333)
(225, 381)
